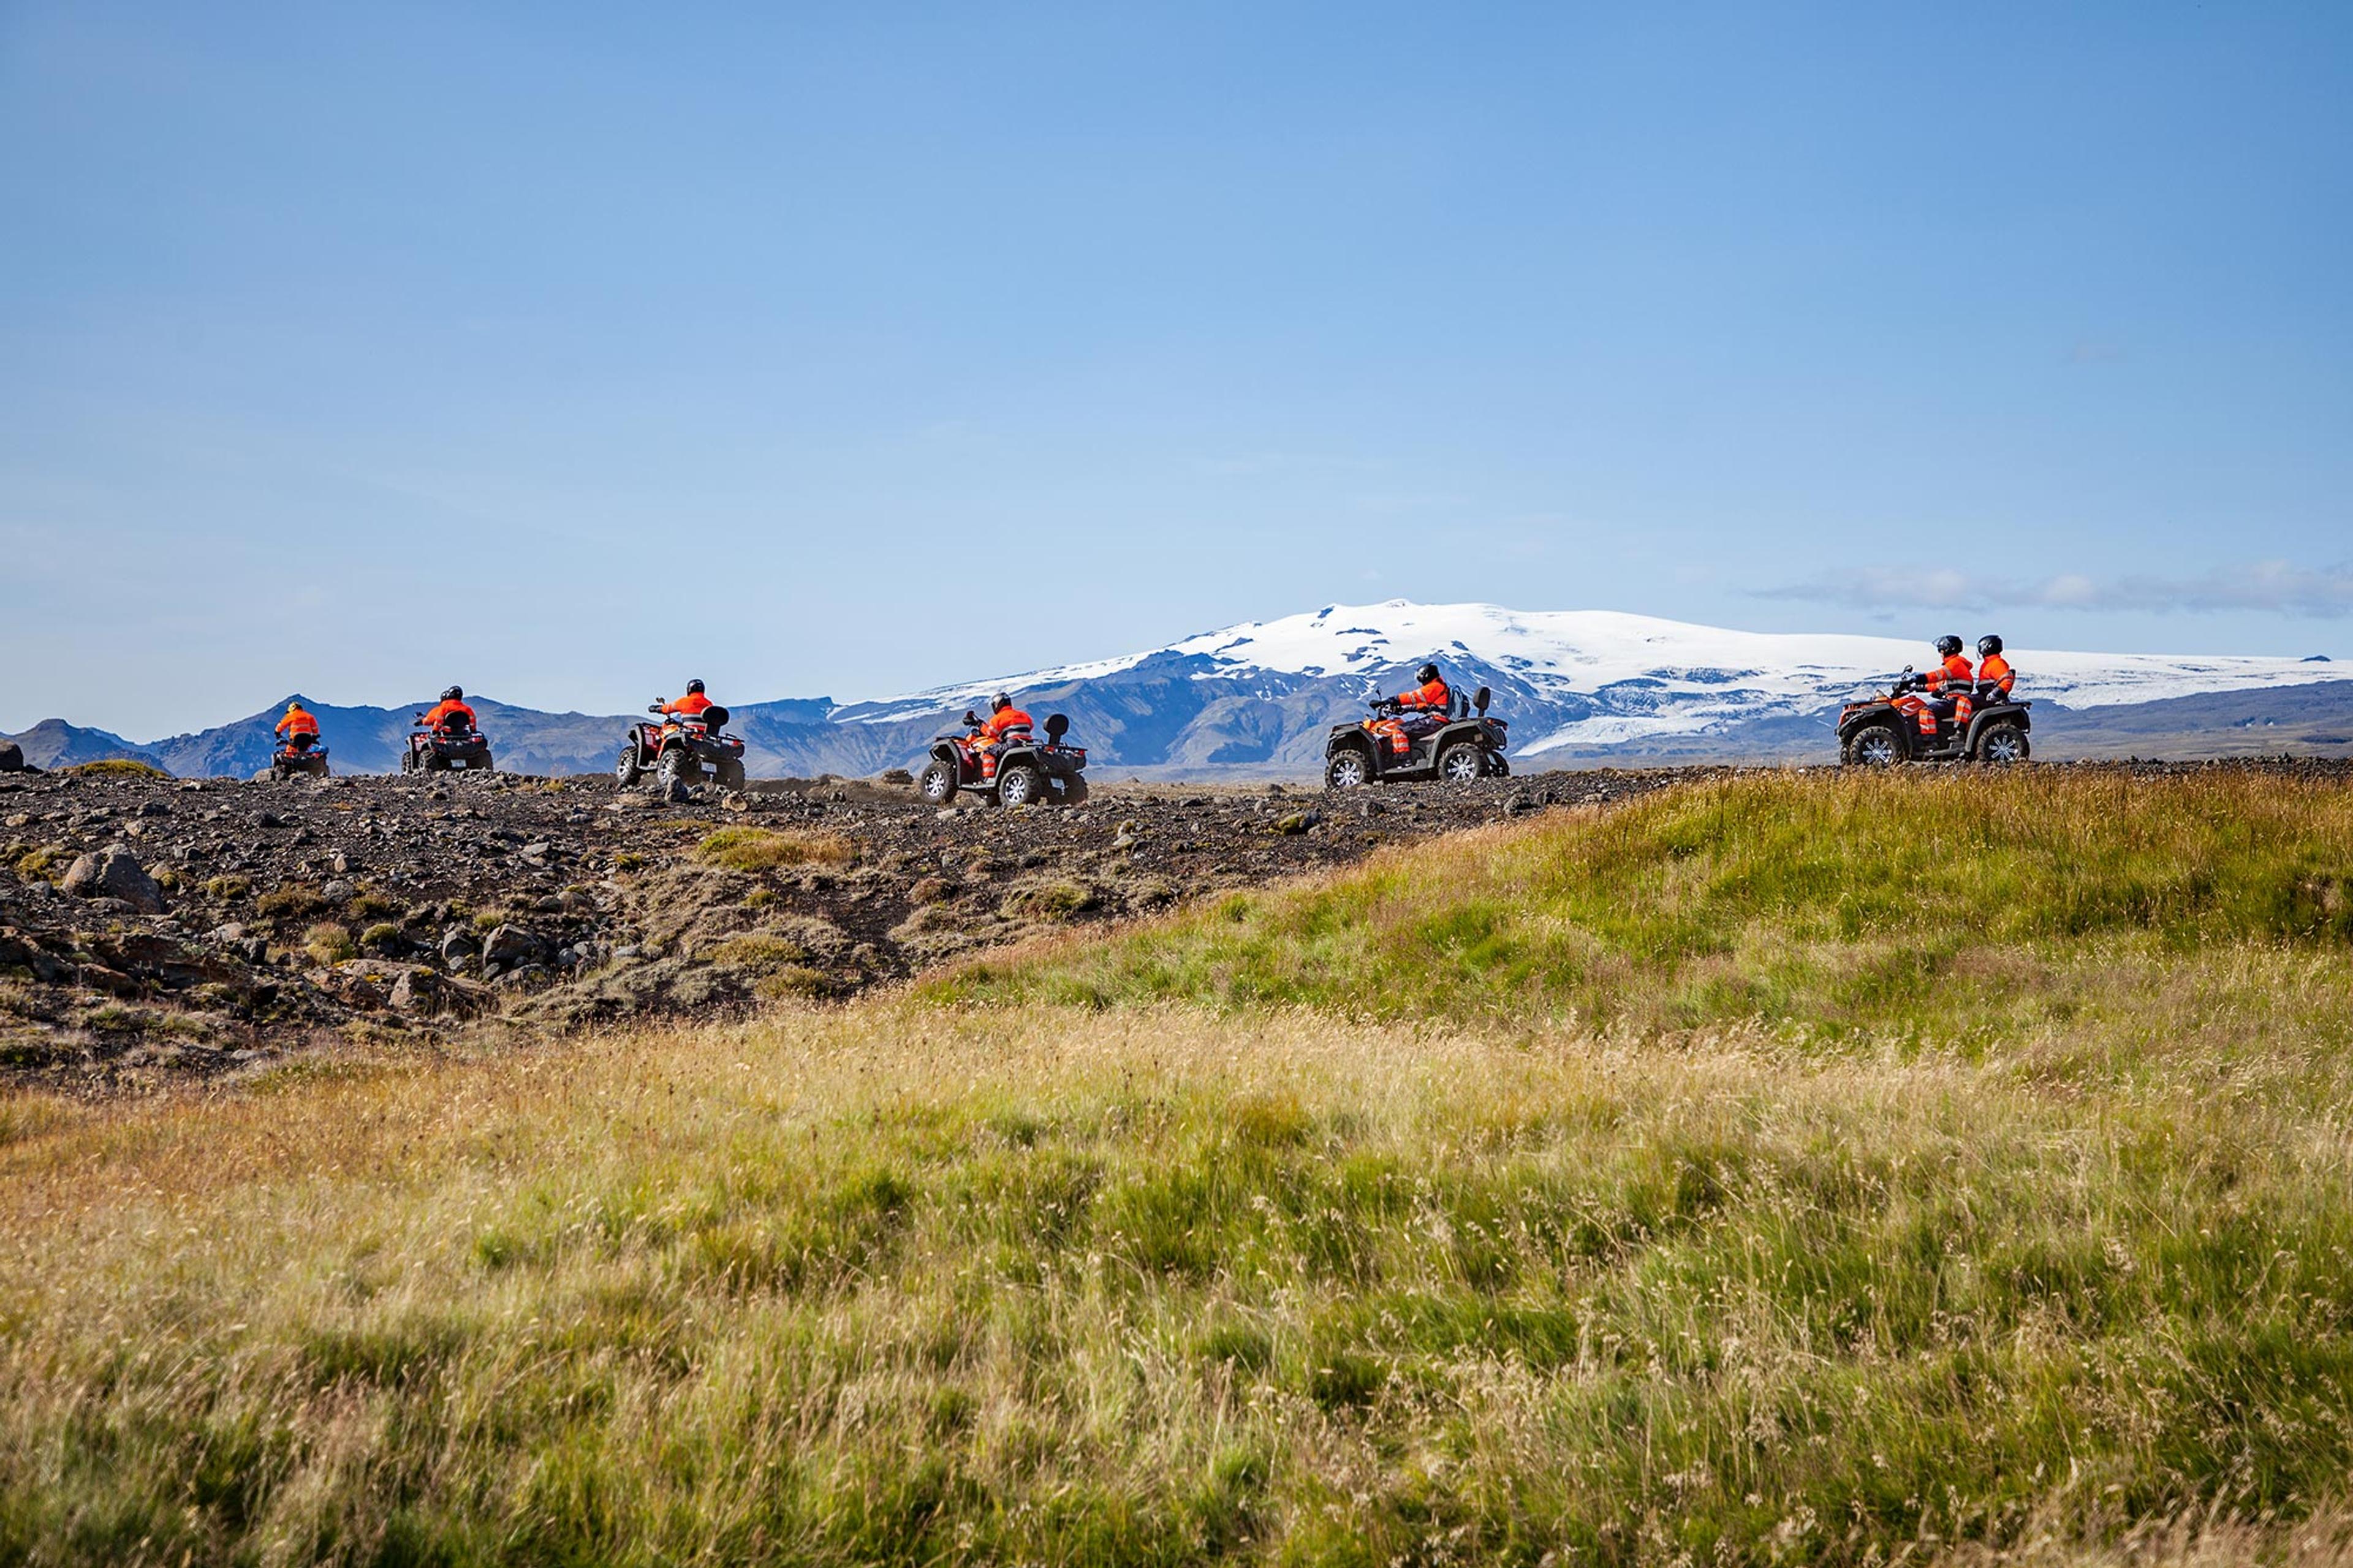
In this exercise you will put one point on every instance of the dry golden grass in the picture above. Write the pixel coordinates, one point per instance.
(1161, 1282)
(764, 849)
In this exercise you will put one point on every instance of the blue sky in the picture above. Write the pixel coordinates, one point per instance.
(566, 351)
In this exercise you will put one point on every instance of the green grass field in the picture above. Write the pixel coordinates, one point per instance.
(1786, 1170)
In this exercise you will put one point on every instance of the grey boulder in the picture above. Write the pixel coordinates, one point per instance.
(114, 872)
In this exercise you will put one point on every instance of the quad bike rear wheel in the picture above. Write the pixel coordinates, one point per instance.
(1018, 784)
(936, 784)
(627, 772)
(1497, 766)
(1074, 791)
(729, 775)
(1348, 770)
(1872, 746)
(2002, 744)
(677, 767)
(1461, 764)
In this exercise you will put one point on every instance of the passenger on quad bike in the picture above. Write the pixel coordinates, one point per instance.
(1995, 678)
(1954, 677)
(446, 737)
(1899, 725)
(1420, 712)
(451, 706)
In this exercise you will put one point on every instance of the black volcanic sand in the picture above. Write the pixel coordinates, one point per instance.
(365, 913)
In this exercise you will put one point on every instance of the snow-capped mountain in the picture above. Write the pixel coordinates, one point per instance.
(1571, 680)
(1258, 700)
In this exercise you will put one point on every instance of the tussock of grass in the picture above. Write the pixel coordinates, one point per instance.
(115, 767)
(292, 901)
(1172, 1282)
(328, 943)
(764, 848)
(45, 864)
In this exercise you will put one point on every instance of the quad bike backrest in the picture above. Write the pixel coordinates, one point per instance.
(714, 718)
(454, 724)
(1480, 698)
(1056, 726)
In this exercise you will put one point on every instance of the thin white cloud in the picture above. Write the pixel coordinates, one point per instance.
(2280, 586)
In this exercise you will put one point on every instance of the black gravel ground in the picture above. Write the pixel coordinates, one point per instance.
(153, 930)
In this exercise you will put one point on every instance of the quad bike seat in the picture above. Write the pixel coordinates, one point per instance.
(456, 727)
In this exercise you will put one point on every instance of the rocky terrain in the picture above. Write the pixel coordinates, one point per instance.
(152, 929)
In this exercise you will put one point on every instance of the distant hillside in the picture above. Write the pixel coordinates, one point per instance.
(1578, 687)
(54, 744)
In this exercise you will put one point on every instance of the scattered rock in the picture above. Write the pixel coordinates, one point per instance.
(511, 945)
(114, 873)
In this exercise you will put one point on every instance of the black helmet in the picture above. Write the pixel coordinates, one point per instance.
(693, 687)
(999, 701)
(1426, 672)
(455, 694)
(1948, 645)
(1988, 646)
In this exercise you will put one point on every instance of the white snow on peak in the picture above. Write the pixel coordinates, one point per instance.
(1691, 677)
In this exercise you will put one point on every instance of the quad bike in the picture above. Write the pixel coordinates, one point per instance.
(675, 746)
(292, 758)
(1018, 772)
(1467, 747)
(1882, 731)
(454, 743)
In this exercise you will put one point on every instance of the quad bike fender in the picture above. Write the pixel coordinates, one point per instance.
(1354, 738)
(1907, 733)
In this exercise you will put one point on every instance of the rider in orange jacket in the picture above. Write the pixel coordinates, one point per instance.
(1422, 711)
(300, 727)
(1994, 676)
(451, 706)
(1947, 687)
(1003, 720)
(693, 704)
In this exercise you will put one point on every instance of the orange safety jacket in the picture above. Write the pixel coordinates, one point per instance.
(993, 729)
(433, 719)
(1429, 694)
(1955, 670)
(299, 722)
(1995, 673)
(690, 704)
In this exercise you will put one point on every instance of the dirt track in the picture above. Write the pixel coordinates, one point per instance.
(216, 926)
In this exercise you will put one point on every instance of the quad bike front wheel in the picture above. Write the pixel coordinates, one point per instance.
(1018, 784)
(1461, 764)
(626, 771)
(936, 783)
(2002, 744)
(1872, 746)
(1347, 769)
